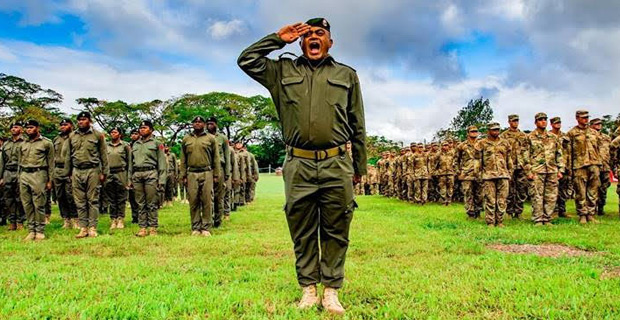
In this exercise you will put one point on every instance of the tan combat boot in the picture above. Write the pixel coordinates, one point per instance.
(20, 226)
(196, 233)
(39, 236)
(47, 219)
(92, 232)
(76, 223)
(120, 223)
(113, 224)
(330, 301)
(31, 236)
(153, 232)
(12, 226)
(66, 224)
(583, 220)
(591, 219)
(83, 233)
(142, 233)
(206, 233)
(309, 298)
(226, 218)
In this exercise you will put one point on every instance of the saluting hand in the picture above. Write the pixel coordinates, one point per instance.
(292, 32)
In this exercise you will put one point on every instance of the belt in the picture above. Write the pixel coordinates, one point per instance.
(143, 169)
(59, 165)
(201, 169)
(85, 166)
(11, 168)
(30, 170)
(317, 154)
(117, 169)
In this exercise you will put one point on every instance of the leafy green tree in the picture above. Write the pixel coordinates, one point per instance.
(477, 113)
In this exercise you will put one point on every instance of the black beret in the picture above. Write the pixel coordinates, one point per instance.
(319, 22)
(84, 114)
(134, 131)
(115, 128)
(212, 119)
(17, 124)
(66, 121)
(146, 123)
(198, 118)
(32, 122)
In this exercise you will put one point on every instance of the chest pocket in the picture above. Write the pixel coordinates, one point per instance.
(293, 88)
(337, 92)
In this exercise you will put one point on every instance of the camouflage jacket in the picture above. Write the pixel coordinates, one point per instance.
(495, 158)
(444, 164)
(542, 153)
(465, 162)
(420, 163)
(584, 148)
(604, 144)
(516, 139)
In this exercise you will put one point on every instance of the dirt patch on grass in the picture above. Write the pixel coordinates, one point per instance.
(543, 250)
(611, 273)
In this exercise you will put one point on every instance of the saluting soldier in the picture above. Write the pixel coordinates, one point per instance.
(320, 107)
(605, 168)
(224, 174)
(200, 169)
(117, 183)
(62, 182)
(87, 164)
(495, 157)
(517, 192)
(36, 162)
(9, 178)
(585, 163)
(468, 173)
(147, 170)
(543, 165)
(565, 184)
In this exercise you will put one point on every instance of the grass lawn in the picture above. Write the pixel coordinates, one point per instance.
(404, 261)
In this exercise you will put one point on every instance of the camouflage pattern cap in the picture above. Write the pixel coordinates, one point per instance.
(555, 120)
(595, 121)
(582, 114)
(540, 115)
(513, 117)
(472, 128)
(493, 126)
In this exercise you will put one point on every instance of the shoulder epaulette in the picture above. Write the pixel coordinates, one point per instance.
(288, 53)
(342, 64)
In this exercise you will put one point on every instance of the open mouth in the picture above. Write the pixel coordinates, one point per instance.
(314, 47)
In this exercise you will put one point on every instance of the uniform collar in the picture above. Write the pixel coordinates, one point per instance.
(20, 138)
(199, 135)
(110, 143)
(142, 140)
(90, 130)
(303, 60)
(39, 137)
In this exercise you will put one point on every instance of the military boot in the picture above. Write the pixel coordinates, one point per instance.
(83, 233)
(330, 301)
(120, 223)
(66, 224)
(12, 226)
(142, 233)
(31, 236)
(583, 220)
(39, 236)
(590, 218)
(92, 232)
(153, 232)
(309, 298)
(113, 224)
(20, 226)
(47, 219)
(75, 223)
(206, 233)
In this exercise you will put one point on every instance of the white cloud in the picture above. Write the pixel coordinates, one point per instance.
(223, 29)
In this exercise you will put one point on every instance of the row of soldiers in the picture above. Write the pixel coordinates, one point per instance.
(87, 175)
(499, 173)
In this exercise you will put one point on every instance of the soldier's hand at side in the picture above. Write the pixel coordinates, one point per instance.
(292, 32)
(1, 182)
(102, 178)
(357, 178)
(215, 180)
(185, 182)
(48, 186)
(560, 175)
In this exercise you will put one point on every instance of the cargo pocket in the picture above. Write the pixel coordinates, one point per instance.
(337, 93)
(293, 89)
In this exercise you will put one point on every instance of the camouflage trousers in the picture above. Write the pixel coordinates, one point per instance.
(544, 194)
(472, 194)
(517, 193)
(586, 182)
(410, 188)
(602, 191)
(565, 193)
(445, 185)
(420, 194)
(495, 196)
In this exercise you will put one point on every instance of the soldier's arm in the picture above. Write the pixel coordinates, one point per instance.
(128, 151)
(162, 165)
(254, 62)
(66, 153)
(50, 160)
(356, 122)
(526, 162)
(255, 164)
(235, 168)
(509, 164)
(183, 164)
(228, 166)
(103, 154)
(2, 162)
(559, 156)
(216, 161)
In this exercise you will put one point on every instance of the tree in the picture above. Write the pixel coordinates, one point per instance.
(477, 113)
(270, 149)
(375, 145)
(108, 115)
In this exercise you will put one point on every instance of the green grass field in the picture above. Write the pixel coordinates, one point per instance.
(404, 262)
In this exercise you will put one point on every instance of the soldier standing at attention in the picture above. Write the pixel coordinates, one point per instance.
(605, 168)
(565, 185)
(9, 179)
(543, 165)
(224, 174)
(468, 173)
(36, 162)
(117, 183)
(254, 170)
(444, 166)
(585, 164)
(171, 178)
(231, 184)
(421, 174)
(87, 164)
(494, 156)
(245, 177)
(147, 170)
(200, 169)
(614, 151)
(517, 192)
(62, 182)
(134, 136)
(320, 107)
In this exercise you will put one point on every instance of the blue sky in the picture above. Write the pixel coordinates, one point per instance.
(418, 61)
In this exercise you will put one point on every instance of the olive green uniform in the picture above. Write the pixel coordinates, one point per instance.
(86, 159)
(115, 187)
(495, 160)
(8, 171)
(172, 177)
(62, 182)
(131, 195)
(224, 174)
(543, 159)
(320, 108)
(468, 173)
(147, 170)
(229, 198)
(36, 163)
(585, 164)
(200, 164)
(253, 177)
(518, 190)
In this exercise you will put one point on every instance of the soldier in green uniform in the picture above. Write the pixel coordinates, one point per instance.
(320, 108)
(133, 136)
(565, 185)
(117, 183)
(518, 190)
(147, 170)
(242, 159)
(86, 162)
(444, 168)
(62, 182)
(468, 173)
(605, 168)
(171, 178)
(233, 183)
(9, 178)
(224, 174)
(200, 169)
(495, 158)
(253, 166)
(584, 153)
(543, 165)
(36, 163)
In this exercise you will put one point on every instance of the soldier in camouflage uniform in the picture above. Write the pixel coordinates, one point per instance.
(518, 190)
(605, 168)
(9, 178)
(614, 151)
(391, 173)
(565, 184)
(373, 180)
(409, 172)
(381, 172)
(432, 151)
(421, 174)
(495, 158)
(401, 169)
(543, 165)
(444, 165)
(117, 183)
(468, 173)
(584, 153)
